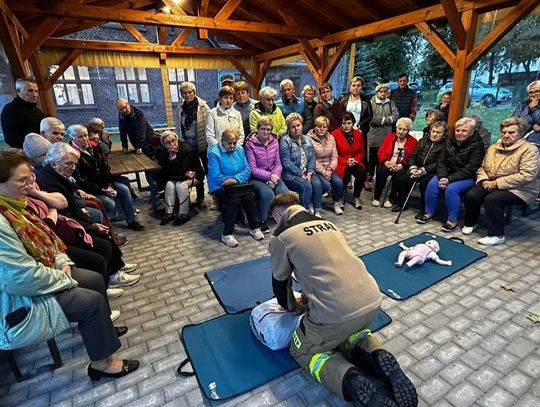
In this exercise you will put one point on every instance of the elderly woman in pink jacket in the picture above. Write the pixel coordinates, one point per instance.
(262, 152)
(326, 161)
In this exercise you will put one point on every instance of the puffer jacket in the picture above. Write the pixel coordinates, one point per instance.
(515, 169)
(461, 161)
(385, 114)
(226, 164)
(289, 151)
(426, 155)
(25, 283)
(326, 156)
(202, 111)
(263, 160)
(279, 127)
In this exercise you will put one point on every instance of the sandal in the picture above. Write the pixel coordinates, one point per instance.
(423, 219)
(447, 227)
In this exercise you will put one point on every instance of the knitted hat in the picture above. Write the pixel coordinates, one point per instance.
(382, 85)
(35, 147)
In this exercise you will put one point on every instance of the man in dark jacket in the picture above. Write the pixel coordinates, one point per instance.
(21, 116)
(132, 124)
(340, 300)
(404, 98)
(329, 106)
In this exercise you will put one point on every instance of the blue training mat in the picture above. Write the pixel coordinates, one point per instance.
(402, 283)
(228, 359)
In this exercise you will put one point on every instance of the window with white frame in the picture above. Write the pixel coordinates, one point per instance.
(176, 77)
(74, 87)
(132, 84)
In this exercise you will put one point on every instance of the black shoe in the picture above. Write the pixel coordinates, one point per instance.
(364, 393)
(423, 219)
(165, 220)
(419, 215)
(387, 368)
(447, 227)
(264, 227)
(135, 226)
(120, 330)
(395, 208)
(128, 366)
(181, 219)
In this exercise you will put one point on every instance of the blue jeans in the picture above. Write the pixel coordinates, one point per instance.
(335, 182)
(265, 194)
(123, 197)
(452, 195)
(95, 214)
(310, 193)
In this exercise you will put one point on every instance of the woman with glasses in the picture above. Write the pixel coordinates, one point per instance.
(267, 107)
(262, 152)
(530, 112)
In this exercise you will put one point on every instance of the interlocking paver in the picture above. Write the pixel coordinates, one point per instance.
(463, 341)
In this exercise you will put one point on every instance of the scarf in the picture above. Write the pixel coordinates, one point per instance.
(189, 110)
(39, 241)
(350, 137)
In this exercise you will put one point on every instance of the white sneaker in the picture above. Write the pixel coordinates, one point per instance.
(467, 230)
(230, 241)
(129, 268)
(318, 214)
(337, 209)
(123, 280)
(387, 204)
(310, 210)
(375, 202)
(214, 206)
(114, 292)
(257, 234)
(114, 315)
(491, 240)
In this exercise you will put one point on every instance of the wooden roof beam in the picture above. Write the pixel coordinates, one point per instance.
(162, 35)
(437, 42)
(334, 60)
(519, 11)
(13, 18)
(175, 8)
(143, 17)
(203, 12)
(40, 34)
(310, 55)
(182, 37)
(227, 9)
(454, 20)
(65, 64)
(368, 9)
(138, 47)
(242, 69)
(136, 33)
(247, 44)
(12, 46)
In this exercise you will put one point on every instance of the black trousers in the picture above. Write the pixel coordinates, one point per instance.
(494, 202)
(404, 184)
(88, 305)
(359, 174)
(373, 161)
(232, 205)
(107, 247)
(380, 182)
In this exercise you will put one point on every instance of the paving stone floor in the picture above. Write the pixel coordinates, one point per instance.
(464, 342)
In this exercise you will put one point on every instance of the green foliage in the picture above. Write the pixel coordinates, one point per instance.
(432, 67)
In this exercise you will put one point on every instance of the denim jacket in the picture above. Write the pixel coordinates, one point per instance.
(289, 151)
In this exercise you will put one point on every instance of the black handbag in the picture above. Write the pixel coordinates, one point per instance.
(239, 189)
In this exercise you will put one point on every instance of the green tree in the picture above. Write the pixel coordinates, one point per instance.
(432, 67)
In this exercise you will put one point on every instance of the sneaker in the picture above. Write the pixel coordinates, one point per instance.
(342, 204)
(135, 226)
(467, 230)
(181, 219)
(120, 240)
(376, 203)
(337, 209)
(318, 214)
(229, 240)
(387, 204)
(264, 227)
(387, 368)
(357, 203)
(363, 391)
(123, 280)
(491, 240)
(165, 220)
(114, 292)
(129, 267)
(214, 206)
(114, 315)
(310, 210)
(136, 211)
(256, 234)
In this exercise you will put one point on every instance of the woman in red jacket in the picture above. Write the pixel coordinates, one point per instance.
(393, 154)
(351, 153)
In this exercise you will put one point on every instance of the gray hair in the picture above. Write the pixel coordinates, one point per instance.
(533, 84)
(405, 121)
(96, 121)
(188, 85)
(466, 121)
(267, 93)
(167, 133)
(58, 152)
(286, 82)
(21, 82)
(74, 130)
(48, 123)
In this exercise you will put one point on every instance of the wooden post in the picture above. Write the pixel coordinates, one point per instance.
(352, 59)
(166, 89)
(12, 45)
(46, 97)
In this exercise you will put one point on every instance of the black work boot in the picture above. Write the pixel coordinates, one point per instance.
(363, 392)
(384, 365)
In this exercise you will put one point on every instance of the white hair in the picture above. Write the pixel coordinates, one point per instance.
(74, 130)
(267, 93)
(48, 123)
(58, 151)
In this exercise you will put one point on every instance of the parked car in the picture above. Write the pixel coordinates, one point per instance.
(490, 96)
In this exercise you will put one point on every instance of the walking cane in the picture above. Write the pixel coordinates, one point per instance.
(398, 160)
(405, 203)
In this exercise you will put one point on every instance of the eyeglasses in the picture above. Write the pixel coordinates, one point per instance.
(266, 129)
(533, 92)
(70, 164)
